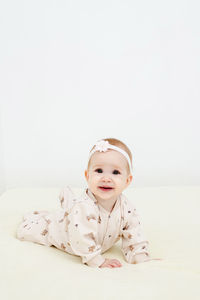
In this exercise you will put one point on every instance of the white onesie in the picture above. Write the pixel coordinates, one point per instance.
(84, 228)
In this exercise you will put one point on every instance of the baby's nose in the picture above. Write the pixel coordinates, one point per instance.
(106, 178)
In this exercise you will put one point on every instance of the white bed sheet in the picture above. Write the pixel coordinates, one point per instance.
(170, 217)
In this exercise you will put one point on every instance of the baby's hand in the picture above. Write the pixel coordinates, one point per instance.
(111, 263)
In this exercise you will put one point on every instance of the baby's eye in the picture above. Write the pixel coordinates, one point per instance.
(98, 170)
(116, 172)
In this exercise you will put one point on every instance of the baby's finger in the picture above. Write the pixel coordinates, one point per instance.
(118, 263)
(113, 266)
(115, 263)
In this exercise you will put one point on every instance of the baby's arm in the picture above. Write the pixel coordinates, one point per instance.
(134, 244)
(82, 232)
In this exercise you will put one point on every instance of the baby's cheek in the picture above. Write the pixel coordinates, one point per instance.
(94, 178)
(120, 182)
(97, 177)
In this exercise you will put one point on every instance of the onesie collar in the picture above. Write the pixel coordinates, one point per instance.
(89, 194)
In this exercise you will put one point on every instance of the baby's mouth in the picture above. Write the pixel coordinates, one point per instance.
(105, 188)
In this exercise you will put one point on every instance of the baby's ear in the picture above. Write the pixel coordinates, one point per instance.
(86, 174)
(129, 179)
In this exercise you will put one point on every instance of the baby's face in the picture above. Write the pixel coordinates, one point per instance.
(107, 169)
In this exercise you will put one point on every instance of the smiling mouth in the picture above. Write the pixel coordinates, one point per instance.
(105, 188)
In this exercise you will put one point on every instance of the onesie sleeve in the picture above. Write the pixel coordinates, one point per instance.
(67, 198)
(134, 243)
(82, 231)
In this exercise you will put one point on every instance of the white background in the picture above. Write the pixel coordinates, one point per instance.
(73, 72)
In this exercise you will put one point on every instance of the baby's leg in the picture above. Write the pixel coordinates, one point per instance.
(34, 228)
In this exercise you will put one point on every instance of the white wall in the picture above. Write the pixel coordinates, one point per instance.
(77, 71)
(2, 169)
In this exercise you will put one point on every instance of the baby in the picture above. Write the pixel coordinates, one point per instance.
(89, 225)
